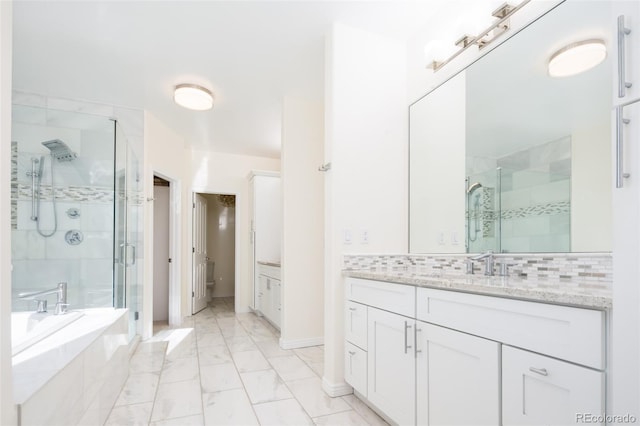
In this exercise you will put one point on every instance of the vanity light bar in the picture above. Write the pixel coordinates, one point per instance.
(499, 27)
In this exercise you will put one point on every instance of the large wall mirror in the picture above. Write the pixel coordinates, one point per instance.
(505, 157)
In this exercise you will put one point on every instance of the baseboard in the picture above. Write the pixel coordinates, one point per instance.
(336, 389)
(301, 343)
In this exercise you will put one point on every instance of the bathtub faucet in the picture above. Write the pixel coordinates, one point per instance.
(61, 303)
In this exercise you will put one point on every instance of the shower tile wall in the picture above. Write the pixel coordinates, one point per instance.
(85, 183)
(536, 198)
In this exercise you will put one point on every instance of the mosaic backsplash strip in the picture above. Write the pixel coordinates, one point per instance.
(574, 269)
(14, 185)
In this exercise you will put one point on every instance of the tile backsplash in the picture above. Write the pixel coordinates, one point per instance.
(572, 269)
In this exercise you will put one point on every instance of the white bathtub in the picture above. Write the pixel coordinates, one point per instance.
(68, 368)
(28, 328)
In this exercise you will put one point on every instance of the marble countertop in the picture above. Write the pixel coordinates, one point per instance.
(570, 294)
(269, 263)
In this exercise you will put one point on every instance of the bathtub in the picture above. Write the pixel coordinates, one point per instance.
(28, 328)
(67, 369)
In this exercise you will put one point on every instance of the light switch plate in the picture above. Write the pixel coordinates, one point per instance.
(346, 238)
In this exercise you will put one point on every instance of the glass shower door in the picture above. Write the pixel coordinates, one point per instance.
(126, 217)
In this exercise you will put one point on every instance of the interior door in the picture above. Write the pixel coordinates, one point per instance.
(199, 288)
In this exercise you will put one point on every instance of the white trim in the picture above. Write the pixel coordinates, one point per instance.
(301, 343)
(253, 173)
(336, 389)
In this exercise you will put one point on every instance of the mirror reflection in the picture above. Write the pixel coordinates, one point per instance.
(529, 169)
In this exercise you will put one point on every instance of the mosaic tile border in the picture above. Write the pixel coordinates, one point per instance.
(14, 185)
(583, 270)
(69, 193)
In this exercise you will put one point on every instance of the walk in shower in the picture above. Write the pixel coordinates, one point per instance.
(76, 204)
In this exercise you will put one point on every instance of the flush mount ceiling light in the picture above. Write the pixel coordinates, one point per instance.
(194, 97)
(577, 57)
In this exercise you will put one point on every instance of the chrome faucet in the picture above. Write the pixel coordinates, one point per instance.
(61, 302)
(488, 262)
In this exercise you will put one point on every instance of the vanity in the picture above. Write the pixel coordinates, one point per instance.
(269, 294)
(433, 349)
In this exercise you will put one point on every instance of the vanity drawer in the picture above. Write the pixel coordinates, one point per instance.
(356, 324)
(269, 271)
(572, 334)
(355, 368)
(397, 298)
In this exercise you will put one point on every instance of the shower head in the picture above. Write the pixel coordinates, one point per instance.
(60, 150)
(473, 187)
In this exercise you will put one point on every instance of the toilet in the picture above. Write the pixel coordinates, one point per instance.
(210, 278)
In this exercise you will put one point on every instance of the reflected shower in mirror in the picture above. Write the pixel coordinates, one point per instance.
(538, 147)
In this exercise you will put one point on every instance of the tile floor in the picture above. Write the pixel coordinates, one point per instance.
(222, 368)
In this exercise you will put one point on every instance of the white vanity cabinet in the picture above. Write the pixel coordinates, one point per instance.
(268, 300)
(538, 390)
(441, 357)
(458, 377)
(391, 365)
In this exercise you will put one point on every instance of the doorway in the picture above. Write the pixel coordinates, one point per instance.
(161, 256)
(214, 260)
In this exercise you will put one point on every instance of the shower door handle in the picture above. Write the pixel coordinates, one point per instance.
(124, 254)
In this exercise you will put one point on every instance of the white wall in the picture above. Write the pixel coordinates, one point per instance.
(221, 244)
(591, 198)
(220, 173)
(7, 408)
(437, 169)
(303, 216)
(366, 119)
(161, 253)
(165, 155)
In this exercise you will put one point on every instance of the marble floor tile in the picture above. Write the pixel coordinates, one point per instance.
(240, 344)
(317, 367)
(146, 362)
(133, 414)
(196, 420)
(178, 399)
(271, 348)
(345, 418)
(180, 370)
(139, 388)
(219, 377)
(314, 400)
(234, 331)
(282, 413)
(151, 347)
(186, 351)
(250, 361)
(291, 368)
(364, 411)
(212, 355)
(311, 354)
(263, 386)
(228, 408)
(210, 339)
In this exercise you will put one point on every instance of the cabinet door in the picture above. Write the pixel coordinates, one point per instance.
(458, 377)
(261, 294)
(276, 302)
(356, 324)
(391, 365)
(355, 368)
(625, 350)
(538, 390)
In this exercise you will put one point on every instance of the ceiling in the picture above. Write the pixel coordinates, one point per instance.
(250, 53)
